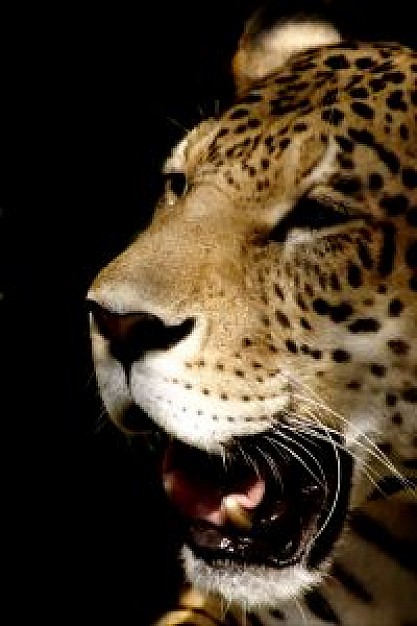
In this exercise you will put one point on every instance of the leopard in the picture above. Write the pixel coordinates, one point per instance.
(261, 331)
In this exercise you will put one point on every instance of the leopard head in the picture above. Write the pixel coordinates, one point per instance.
(263, 325)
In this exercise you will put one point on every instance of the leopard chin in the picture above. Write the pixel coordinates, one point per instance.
(251, 586)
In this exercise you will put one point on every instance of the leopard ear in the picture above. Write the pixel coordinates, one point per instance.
(263, 50)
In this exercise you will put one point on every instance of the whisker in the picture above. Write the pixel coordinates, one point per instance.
(217, 108)
(178, 124)
(301, 427)
(296, 456)
(101, 422)
(305, 450)
(225, 460)
(337, 492)
(371, 473)
(325, 436)
(201, 112)
(273, 466)
(248, 459)
(91, 381)
(371, 448)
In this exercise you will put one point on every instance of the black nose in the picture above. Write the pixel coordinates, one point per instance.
(131, 335)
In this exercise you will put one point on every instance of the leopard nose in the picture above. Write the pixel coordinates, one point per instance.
(131, 335)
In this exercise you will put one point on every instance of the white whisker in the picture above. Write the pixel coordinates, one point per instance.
(178, 124)
(248, 459)
(306, 451)
(371, 473)
(369, 446)
(272, 465)
(296, 456)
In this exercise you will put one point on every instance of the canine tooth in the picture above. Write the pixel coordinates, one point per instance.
(236, 514)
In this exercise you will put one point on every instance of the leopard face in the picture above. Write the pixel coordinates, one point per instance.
(265, 322)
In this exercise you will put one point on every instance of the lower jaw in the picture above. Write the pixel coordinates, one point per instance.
(251, 586)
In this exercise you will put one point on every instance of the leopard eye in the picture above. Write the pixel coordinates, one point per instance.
(175, 186)
(311, 214)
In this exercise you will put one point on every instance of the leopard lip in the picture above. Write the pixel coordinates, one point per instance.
(286, 516)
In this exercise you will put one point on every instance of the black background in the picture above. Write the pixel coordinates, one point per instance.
(92, 101)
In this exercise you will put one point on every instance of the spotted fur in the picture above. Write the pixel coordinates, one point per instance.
(277, 285)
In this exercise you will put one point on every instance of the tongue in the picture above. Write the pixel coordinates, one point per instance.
(197, 497)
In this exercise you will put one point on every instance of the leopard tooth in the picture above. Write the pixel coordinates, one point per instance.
(236, 514)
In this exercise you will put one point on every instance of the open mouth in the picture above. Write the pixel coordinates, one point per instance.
(276, 498)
